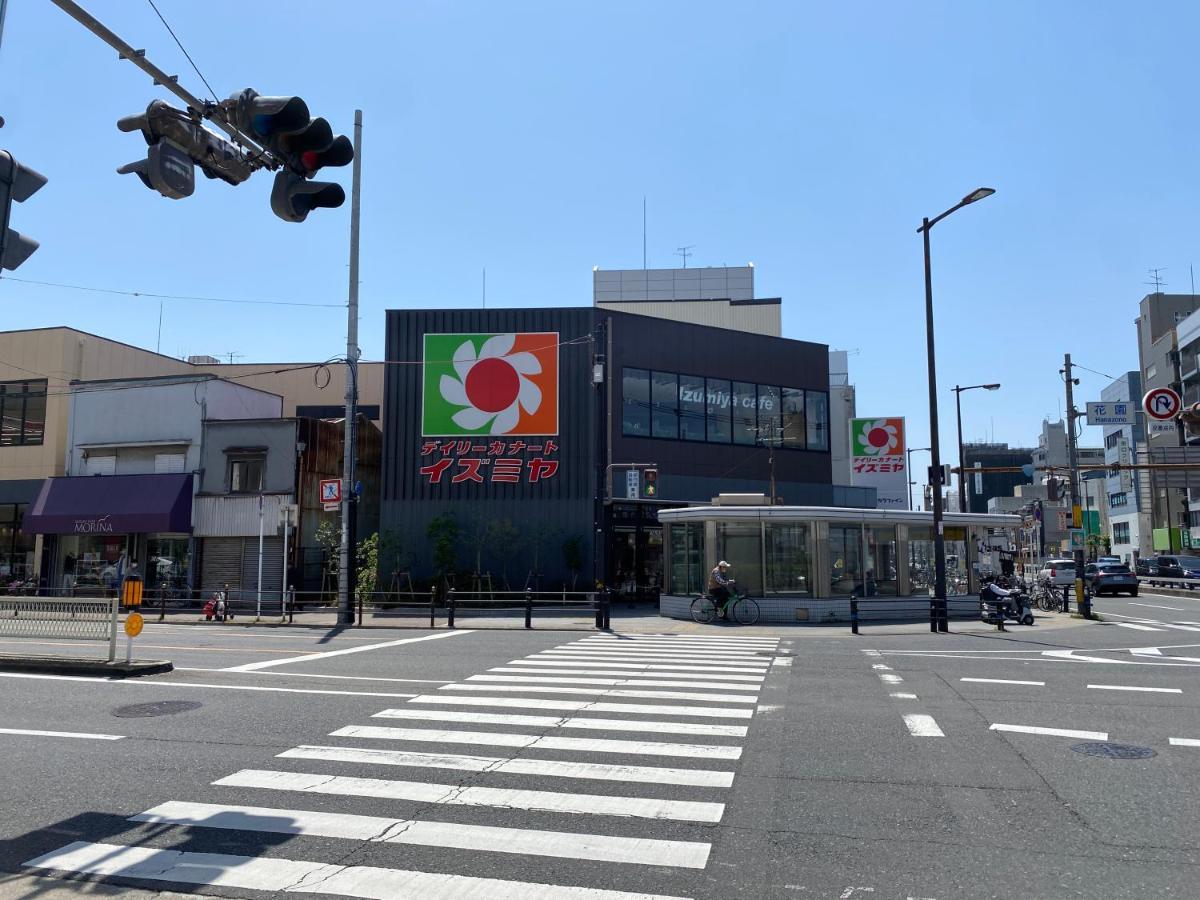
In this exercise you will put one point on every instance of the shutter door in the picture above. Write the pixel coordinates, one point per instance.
(272, 570)
(220, 564)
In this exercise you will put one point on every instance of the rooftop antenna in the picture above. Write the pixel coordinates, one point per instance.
(1156, 279)
(231, 354)
(685, 252)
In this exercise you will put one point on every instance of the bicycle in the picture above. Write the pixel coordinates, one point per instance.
(1048, 596)
(739, 608)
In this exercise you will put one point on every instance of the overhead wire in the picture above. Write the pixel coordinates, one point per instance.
(179, 43)
(155, 296)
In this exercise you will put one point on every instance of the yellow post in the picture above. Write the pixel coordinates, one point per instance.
(131, 591)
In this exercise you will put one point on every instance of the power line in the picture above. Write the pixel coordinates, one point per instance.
(170, 31)
(98, 290)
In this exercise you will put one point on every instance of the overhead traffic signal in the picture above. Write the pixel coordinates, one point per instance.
(650, 483)
(17, 184)
(305, 145)
(178, 143)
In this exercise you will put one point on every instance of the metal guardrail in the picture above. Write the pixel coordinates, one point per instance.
(72, 619)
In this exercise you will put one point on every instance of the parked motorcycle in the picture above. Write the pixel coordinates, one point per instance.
(1012, 604)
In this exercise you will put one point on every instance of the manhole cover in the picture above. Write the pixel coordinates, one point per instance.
(162, 708)
(1114, 751)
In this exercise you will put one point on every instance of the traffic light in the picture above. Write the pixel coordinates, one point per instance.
(17, 184)
(178, 143)
(305, 145)
(650, 483)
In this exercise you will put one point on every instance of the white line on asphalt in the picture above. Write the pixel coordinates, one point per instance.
(1153, 606)
(536, 742)
(922, 726)
(881, 667)
(783, 661)
(683, 665)
(1185, 742)
(872, 653)
(901, 695)
(1133, 626)
(62, 734)
(1146, 622)
(457, 795)
(586, 663)
(1004, 681)
(549, 678)
(647, 709)
(138, 682)
(311, 657)
(655, 727)
(672, 647)
(749, 680)
(550, 768)
(626, 656)
(600, 692)
(1053, 732)
(701, 653)
(1124, 687)
(888, 678)
(455, 835)
(1145, 651)
(285, 875)
(337, 677)
(679, 638)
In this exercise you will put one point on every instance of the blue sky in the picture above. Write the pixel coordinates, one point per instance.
(521, 137)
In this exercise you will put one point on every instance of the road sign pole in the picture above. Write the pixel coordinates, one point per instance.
(1073, 457)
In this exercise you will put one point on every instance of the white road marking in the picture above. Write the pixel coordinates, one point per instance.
(758, 664)
(603, 692)
(1145, 651)
(1124, 687)
(656, 727)
(171, 685)
(1053, 732)
(627, 639)
(62, 734)
(548, 768)
(457, 795)
(312, 657)
(881, 667)
(1153, 606)
(588, 663)
(613, 682)
(535, 742)
(740, 679)
(334, 677)
(768, 707)
(1135, 627)
(285, 875)
(903, 696)
(783, 661)
(1004, 681)
(1184, 742)
(455, 835)
(922, 726)
(872, 653)
(700, 653)
(890, 679)
(647, 709)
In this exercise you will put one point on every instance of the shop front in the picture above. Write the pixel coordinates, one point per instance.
(103, 528)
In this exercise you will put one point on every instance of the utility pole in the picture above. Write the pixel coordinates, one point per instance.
(1073, 462)
(348, 558)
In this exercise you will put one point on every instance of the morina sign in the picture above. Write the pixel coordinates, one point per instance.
(102, 525)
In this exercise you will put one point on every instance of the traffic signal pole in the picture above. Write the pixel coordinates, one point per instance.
(347, 570)
(1073, 462)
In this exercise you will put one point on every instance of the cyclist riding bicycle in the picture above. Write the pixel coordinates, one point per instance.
(719, 584)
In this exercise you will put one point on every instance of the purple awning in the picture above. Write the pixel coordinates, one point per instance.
(112, 504)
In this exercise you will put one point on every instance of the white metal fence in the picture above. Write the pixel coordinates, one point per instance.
(72, 619)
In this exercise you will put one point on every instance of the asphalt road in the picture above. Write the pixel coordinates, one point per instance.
(895, 764)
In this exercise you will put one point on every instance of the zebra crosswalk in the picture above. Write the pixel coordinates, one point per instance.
(615, 752)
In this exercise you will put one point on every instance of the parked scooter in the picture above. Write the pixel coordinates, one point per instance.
(1013, 604)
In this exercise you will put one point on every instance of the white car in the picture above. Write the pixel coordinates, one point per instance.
(1060, 571)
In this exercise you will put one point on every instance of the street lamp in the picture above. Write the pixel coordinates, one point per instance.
(962, 484)
(938, 619)
(911, 451)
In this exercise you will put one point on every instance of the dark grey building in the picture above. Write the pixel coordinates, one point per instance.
(984, 486)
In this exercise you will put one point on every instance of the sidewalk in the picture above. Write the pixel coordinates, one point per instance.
(49, 887)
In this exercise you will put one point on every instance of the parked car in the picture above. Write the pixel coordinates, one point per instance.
(1059, 571)
(1178, 567)
(1147, 566)
(1113, 578)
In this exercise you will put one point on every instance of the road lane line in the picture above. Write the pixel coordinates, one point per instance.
(336, 677)
(1154, 606)
(1125, 687)
(901, 695)
(1134, 626)
(920, 725)
(29, 732)
(652, 726)
(1185, 742)
(647, 709)
(600, 692)
(285, 875)
(749, 680)
(138, 682)
(536, 742)
(457, 795)
(311, 657)
(548, 678)
(1004, 681)
(890, 679)
(1053, 732)
(549, 768)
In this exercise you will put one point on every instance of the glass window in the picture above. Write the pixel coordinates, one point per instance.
(167, 563)
(740, 544)
(818, 420)
(665, 405)
(720, 429)
(687, 558)
(789, 570)
(16, 546)
(745, 414)
(845, 560)
(793, 418)
(882, 564)
(920, 559)
(635, 397)
(22, 412)
(957, 564)
(246, 475)
(691, 408)
(769, 421)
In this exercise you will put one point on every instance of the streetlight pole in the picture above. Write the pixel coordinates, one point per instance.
(938, 618)
(962, 465)
(911, 451)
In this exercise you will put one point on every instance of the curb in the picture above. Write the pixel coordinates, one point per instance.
(64, 665)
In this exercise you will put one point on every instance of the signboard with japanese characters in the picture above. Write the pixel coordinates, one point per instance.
(877, 460)
(1119, 412)
(489, 411)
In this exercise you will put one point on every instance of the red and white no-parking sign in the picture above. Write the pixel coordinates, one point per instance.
(1162, 404)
